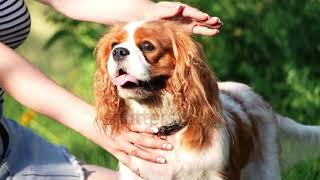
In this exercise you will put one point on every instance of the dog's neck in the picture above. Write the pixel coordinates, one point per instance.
(156, 111)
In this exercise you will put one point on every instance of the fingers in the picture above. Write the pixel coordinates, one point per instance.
(154, 136)
(142, 154)
(202, 30)
(199, 22)
(209, 27)
(163, 10)
(149, 142)
(194, 13)
(144, 129)
(213, 21)
(185, 10)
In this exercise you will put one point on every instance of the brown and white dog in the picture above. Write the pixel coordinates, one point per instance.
(155, 74)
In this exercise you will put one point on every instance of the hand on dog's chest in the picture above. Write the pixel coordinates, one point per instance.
(161, 171)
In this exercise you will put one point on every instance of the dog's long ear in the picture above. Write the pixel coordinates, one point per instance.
(111, 109)
(195, 91)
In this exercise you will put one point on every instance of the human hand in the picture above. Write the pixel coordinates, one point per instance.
(127, 144)
(193, 20)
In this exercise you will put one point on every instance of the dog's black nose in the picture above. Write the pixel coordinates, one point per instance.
(120, 53)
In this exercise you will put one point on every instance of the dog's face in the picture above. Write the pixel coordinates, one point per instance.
(140, 58)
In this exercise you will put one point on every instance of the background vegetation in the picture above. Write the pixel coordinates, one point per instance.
(274, 46)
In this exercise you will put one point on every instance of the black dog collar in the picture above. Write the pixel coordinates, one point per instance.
(170, 129)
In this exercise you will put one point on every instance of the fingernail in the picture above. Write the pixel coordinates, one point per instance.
(164, 146)
(167, 146)
(220, 22)
(216, 19)
(207, 15)
(161, 160)
(155, 129)
(214, 32)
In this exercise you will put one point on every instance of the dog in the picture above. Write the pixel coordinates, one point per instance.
(153, 73)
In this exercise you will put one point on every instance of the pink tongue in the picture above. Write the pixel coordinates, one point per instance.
(121, 80)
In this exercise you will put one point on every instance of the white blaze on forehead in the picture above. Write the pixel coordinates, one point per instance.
(132, 27)
(135, 64)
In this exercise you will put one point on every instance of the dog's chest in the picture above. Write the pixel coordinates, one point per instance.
(180, 165)
(183, 164)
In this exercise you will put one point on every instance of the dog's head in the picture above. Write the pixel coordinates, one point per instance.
(142, 60)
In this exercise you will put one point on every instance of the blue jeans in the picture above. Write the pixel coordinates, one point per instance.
(29, 157)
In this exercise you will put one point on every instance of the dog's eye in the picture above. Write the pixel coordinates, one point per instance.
(114, 44)
(147, 46)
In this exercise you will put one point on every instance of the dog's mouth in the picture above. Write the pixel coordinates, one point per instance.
(127, 81)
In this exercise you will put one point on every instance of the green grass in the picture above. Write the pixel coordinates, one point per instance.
(304, 171)
(76, 76)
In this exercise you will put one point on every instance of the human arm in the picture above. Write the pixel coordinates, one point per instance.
(111, 12)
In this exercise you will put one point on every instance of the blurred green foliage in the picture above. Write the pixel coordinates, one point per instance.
(274, 46)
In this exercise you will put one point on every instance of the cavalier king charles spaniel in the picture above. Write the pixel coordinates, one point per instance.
(155, 74)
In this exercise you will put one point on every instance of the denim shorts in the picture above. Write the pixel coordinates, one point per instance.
(29, 157)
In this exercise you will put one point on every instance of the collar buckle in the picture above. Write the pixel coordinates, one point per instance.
(170, 129)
